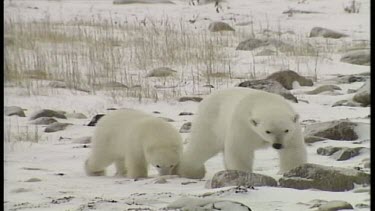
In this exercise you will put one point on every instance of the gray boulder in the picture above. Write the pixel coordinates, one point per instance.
(287, 77)
(192, 98)
(82, 140)
(57, 126)
(334, 130)
(142, 2)
(348, 103)
(326, 178)
(254, 43)
(47, 113)
(239, 178)
(112, 85)
(185, 114)
(57, 84)
(161, 72)
(344, 79)
(340, 153)
(326, 33)
(358, 57)
(363, 95)
(323, 88)
(14, 111)
(43, 121)
(313, 139)
(186, 128)
(219, 26)
(271, 86)
(335, 205)
(201, 204)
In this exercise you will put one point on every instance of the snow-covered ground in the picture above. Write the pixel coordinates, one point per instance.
(57, 160)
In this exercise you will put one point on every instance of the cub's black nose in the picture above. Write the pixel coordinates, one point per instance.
(277, 146)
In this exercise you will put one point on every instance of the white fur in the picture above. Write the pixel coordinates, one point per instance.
(225, 122)
(132, 139)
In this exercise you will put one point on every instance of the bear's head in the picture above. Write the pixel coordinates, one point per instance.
(164, 159)
(275, 127)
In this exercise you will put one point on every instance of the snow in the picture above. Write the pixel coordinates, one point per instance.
(58, 161)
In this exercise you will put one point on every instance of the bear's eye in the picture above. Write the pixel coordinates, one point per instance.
(157, 166)
(268, 132)
(286, 131)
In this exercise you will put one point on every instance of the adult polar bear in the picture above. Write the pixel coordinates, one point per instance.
(132, 139)
(238, 121)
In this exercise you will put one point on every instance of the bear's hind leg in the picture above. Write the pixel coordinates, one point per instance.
(120, 167)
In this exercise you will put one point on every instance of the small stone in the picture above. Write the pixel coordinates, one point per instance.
(186, 128)
(33, 180)
(326, 33)
(43, 121)
(161, 72)
(160, 181)
(219, 26)
(239, 178)
(185, 114)
(95, 120)
(20, 190)
(57, 126)
(47, 113)
(323, 88)
(14, 111)
(362, 205)
(358, 57)
(167, 119)
(82, 140)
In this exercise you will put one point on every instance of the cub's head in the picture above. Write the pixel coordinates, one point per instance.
(164, 159)
(275, 128)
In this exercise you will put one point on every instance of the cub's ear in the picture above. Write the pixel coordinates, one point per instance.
(296, 118)
(254, 122)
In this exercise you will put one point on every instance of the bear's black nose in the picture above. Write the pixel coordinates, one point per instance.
(277, 146)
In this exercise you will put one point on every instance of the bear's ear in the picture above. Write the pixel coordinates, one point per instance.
(254, 122)
(296, 118)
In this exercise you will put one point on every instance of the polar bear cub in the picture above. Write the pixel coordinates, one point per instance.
(132, 140)
(238, 121)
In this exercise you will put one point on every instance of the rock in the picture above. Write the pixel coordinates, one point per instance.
(161, 72)
(327, 150)
(240, 178)
(190, 203)
(358, 57)
(185, 114)
(47, 113)
(76, 115)
(271, 86)
(340, 153)
(186, 128)
(343, 79)
(57, 126)
(363, 95)
(323, 88)
(95, 119)
(348, 103)
(57, 84)
(20, 190)
(160, 180)
(186, 98)
(334, 130)
(113, 85)
(362, 205)
(14, 111)
(313, 139)
(254, 43)
(82, 140)
(294, 11)
(219, 26)
(142, 2)
(326, 178)
(346, 153)
(287, 77)
(335, 205)
(367, 164)
(43, 121)
(33, 180)
(266, 52)
(326, 33)
(166, 119)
